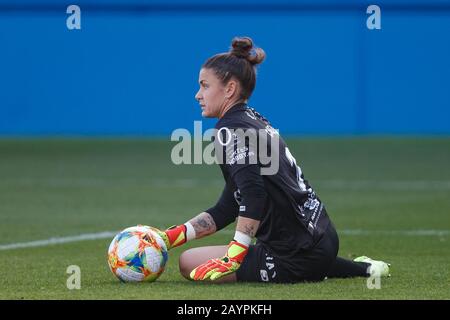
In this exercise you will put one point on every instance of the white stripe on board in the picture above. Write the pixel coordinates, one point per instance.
(111, 234)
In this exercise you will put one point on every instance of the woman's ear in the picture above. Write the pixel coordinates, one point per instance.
(231, 88)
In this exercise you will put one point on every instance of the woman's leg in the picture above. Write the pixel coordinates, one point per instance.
(192, 258)
(340, 267)
(343, 268)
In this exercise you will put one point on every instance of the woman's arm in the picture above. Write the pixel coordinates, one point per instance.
(196, 228)
(247, 226)
(203, 225)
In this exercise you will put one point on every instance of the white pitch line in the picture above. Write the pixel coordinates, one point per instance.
(414, 233)
(59, 240)
(361, 232)
(394, 185)
(111, 234)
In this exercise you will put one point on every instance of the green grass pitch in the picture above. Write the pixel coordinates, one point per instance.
(388, 197)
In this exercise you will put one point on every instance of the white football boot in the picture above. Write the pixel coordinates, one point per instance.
(377, 267)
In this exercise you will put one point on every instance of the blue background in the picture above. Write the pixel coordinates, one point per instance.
(132, 69)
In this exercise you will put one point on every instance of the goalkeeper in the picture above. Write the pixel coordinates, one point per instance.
(295, 239)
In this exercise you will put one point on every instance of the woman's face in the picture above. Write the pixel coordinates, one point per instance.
(212, 95)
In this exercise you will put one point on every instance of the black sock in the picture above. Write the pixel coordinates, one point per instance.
(343, 268)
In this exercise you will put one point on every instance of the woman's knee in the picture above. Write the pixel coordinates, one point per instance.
(185, 263)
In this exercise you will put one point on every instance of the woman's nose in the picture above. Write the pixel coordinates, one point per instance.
(197, 96)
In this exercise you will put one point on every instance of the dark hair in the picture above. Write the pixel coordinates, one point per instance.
(240, 62)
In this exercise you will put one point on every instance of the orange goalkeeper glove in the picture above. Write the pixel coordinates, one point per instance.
(219, 267)
(174, 236)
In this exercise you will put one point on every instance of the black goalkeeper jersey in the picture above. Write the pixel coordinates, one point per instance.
(292, 217)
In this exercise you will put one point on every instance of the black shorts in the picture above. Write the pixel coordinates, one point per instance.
(263, 265)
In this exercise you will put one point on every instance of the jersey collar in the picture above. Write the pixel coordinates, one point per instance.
(241, 106)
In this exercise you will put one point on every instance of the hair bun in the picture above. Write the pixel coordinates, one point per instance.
(242, 47)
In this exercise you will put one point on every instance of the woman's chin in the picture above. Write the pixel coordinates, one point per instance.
(205, 114)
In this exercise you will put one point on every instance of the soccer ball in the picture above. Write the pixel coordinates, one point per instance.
(137, 254)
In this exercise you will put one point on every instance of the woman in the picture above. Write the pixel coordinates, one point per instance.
(296, 241)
